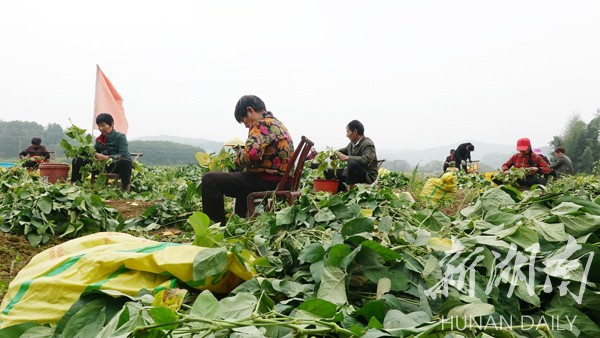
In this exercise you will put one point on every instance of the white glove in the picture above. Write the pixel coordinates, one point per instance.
(463, 163)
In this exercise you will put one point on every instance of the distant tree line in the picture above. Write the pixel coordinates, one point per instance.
(164, 152)
(15, 136)
(581, 143)
(580, 139)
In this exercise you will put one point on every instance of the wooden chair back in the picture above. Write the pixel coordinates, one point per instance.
(291, 177)
(114, 176)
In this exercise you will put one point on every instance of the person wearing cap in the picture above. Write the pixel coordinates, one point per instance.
(463, 154)
(361, 157)
(563, 165)
(36, 153)
(264, 159)
(450, 162)
(538, 151)
(526, 158)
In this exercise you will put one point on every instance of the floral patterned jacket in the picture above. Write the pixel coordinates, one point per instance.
(268, 147)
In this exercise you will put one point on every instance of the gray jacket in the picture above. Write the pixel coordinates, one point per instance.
(364, 153)
(563, 165)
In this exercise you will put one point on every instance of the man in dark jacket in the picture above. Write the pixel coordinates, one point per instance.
(360, 155)
(450, 162)
(563, 165)
(463, 154)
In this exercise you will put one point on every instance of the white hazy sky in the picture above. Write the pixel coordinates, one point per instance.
(418, 74)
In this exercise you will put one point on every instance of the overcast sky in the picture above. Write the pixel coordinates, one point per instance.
(418, 74)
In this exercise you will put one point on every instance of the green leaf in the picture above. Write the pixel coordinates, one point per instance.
(324, 215)
(374, 309)
(333, 286)
(349, 258)
(37, 332)
(319, 307)
(316, 270)
(88, 321)
(45, 204)
(386, 253)
(288, 288)
(238, 307)
(337, 253)
(579, 319)
(200, 223)
(342, 211)
(34, 239)
(205, 306)
(439, 244)
(357, 226)
(396, 320)
(209, 262)
(552, 232)
(523, 291)
(580, 225)
(17, 330)
(285, 216)
(163, 315)
(433, 220)
(395, 274)
(494, 199)
(502, 218)
(472, 310)
(312, 253)
(565, 208)
(385, 224)
(523, 237)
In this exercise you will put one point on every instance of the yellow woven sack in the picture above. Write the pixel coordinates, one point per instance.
(436, 189)
(54, 279)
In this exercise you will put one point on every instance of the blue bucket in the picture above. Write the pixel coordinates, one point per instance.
(6, 164)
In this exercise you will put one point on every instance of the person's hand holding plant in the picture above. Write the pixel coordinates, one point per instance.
(101, 157)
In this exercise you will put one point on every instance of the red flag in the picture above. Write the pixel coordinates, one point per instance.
(109, 101)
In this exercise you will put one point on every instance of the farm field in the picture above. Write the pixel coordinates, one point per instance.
(483, 262)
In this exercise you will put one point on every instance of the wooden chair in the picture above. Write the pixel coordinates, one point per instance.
(292, 175)
(116, 177)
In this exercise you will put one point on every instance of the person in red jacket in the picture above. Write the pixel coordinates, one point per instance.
(526, 158)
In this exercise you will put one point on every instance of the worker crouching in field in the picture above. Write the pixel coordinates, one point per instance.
(36, 153)
(526, 158)
(361, 157)
(462, 155)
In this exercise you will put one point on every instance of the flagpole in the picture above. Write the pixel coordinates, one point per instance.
(95, 101)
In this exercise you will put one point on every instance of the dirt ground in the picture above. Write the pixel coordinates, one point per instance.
(16, 252)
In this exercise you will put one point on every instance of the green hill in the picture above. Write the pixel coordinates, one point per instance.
(164, 152)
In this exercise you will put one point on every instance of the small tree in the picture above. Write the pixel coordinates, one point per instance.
(581, 142)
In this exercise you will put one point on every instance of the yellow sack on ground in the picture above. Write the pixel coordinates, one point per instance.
(54, 279)
(436, 189)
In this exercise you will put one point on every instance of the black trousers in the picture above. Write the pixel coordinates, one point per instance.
(459, 166)
(351, 175)
(31, 165)
(122, 167)
(238, 184)
(528, 181)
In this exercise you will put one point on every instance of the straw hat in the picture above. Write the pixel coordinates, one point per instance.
(234, 142)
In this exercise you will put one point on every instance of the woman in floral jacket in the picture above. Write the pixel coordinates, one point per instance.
(264, 159)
